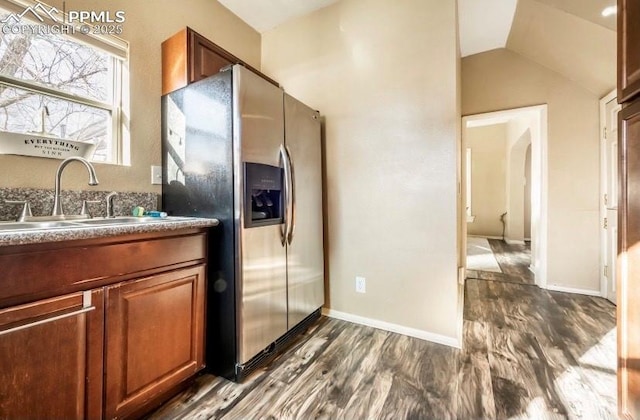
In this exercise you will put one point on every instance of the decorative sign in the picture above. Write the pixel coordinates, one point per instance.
(43, 146)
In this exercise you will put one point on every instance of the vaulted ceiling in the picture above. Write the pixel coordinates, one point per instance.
(570, 37)
(590, 10)
(578, 49)
(263, 15)
(486, 25)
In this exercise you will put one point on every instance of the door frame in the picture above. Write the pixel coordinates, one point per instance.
(603, 187)
(539, 179)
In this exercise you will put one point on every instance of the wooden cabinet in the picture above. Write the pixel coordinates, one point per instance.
(628, 50)
(154, 338)
(629, 210)
(206, 58)
(51, 358)
(188, 57)
(100, 328)
(629, 264)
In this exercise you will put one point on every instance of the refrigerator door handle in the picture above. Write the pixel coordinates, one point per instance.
(292, 191)
(284, 157)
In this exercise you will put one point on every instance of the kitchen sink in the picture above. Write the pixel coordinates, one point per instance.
(13, 226)
(78, 223)
(125, 220)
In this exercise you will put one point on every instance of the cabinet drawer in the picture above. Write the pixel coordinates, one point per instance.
(42, 273)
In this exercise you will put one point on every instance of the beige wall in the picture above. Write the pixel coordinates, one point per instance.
(383, 74)
(488, 146)
(502, 79)
(519, 137)
(148, 23)
(516, 156)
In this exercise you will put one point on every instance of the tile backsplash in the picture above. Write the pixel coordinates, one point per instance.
(41, 202)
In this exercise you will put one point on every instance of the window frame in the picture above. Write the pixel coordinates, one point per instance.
(118, 51)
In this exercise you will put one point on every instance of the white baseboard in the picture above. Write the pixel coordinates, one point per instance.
(572, 290)
(387, 326)
(486, 237)
(514, 241)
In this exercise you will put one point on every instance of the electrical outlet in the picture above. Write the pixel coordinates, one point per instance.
(361, 285)
(156, 175)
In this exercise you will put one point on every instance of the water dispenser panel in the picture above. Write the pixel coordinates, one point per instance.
(263, 195)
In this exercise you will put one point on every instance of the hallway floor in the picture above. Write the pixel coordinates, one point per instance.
(528, 354)
(545, 354)
(514, 261)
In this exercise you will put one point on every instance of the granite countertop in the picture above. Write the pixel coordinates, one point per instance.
(69, 233)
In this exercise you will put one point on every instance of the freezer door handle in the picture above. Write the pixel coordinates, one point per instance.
(284, 157)
(292, 191)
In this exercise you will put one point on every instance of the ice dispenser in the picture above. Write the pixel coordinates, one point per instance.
(263, 195)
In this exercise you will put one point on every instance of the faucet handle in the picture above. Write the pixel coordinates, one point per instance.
(109, 200)
(85, 208)
(26, 209)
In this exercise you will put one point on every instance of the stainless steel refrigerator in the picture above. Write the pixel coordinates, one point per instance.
(237, 148)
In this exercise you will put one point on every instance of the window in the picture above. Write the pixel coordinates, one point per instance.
(65, 85)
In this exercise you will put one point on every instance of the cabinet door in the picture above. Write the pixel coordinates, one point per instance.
(188, 57)
(628, 49)
(154, 339)
(629, 263)
(205, 58)
(51, 358)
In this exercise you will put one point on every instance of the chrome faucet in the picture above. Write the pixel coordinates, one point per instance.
(93, 180)
(109, 199)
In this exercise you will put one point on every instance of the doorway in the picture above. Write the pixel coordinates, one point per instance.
(537, 325)
(505, 184)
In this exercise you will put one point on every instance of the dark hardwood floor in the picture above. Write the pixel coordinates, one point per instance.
(528, 353)
(514, 261)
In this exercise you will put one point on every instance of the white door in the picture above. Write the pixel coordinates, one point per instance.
(610, 196)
